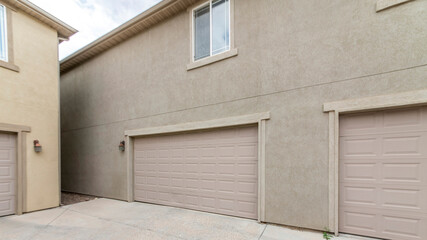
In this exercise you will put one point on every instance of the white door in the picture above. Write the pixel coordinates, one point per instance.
(7, 173)
(213, 171)
(383, 174)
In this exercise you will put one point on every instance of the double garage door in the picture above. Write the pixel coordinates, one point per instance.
(383, 174)
(7, 173)
(214, 171)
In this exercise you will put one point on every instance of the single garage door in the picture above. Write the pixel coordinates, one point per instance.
(213, 171)
(7, 173)
(383, 174)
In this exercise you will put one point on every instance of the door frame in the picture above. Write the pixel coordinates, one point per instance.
(258, 118)
(21, 161)
(335, 109)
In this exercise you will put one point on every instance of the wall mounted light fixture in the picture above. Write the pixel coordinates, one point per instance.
(122, 146)
(37, 146)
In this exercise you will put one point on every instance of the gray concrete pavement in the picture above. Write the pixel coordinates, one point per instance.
(105, 219)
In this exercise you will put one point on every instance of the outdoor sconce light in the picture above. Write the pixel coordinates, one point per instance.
(37, 146)
(122, 146)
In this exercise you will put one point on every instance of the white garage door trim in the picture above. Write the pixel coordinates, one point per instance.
(21, 156)
(258, 118)
(404, 99)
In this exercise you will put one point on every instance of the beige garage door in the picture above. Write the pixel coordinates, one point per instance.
(213, 171)
(383, 174)
(7, 173)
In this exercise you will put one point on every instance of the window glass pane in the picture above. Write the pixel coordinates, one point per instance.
(202, 33)
(2, 33)
(220, 26)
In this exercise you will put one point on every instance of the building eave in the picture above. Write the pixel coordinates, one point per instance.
(64, 31)
(158, 13)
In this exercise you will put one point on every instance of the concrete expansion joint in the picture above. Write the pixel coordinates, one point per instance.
(121, 223)
(47, 225)
(53, 220)
(265, 227)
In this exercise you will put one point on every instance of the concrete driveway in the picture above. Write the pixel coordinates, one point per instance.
(105, 219)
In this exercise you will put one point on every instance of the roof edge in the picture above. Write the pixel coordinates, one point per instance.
(157, 13)
(159, 6)
(64, 30)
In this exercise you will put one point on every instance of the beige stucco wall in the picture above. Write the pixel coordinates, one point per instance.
(293, 56)
(31, 98)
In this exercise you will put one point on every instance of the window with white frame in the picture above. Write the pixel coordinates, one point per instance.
(3, 38)
(211, 29)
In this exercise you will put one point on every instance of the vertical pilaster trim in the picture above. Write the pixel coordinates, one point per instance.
(24, 171)
(332, 171)
(261, 171)
(129, 157)
(261, 177)
(336, 170)
(59, 128)
(19, 178)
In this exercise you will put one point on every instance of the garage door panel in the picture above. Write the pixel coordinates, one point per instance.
(405, 120)
(8, 155)
(360, 147)
(400, 198)
(249, 151)
(168, 196)
(247, 207)
(213, 171)
(391, 121)
(405, 171)
(404, 198)
(401, 227)
(200, 200)
(243, 196)
(7, 173)
(383, 174)
(7, 188)
(405, 145)
(365, 171)
(393, 171)
(207, 168)
(250, 188)
(359, 195)
(177, 176)
(189, 140)
(7, 205)
(387, 145)
(387, 225)
(359, 124)
(364, 223)
(7, 140)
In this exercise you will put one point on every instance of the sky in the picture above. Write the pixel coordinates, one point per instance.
(92, 18)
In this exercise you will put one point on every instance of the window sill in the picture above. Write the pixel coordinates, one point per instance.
(385, 4)
(209, 60)
(9, 66)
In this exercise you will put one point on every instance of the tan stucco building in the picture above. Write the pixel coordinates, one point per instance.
(301, 113)
(29, 107)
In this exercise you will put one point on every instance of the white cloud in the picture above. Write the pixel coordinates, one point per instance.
(92, 18)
